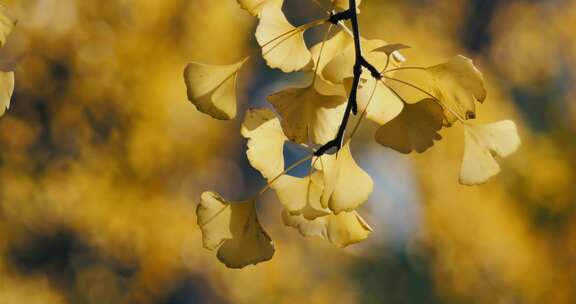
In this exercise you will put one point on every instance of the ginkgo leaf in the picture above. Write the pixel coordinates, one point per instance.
(342, 229)
(6, 24)
(254, 7)
(333, 47)
(301, 195)
(346, 185)
(322, 54)
(415, 129)
(380, 102)
(234, 229)
(283, 45)
(212, 88)
(481, 144)
(390, 49)
(308, 116)
(265, 142)
(393, 51)
(6, 90)
(458, 84)
(347, 228)
(341, 66)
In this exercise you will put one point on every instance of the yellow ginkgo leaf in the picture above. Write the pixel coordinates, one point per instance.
(234, 229)
(346, 185)
(333, 47)
(342, 229)
(6, 24)
(265, 142)
(301, 195)
(6, 90)
(308, 116)
(380, 102)
(212, 88)
(415, 129)
(322, 54)
(341, 66)
(458, 84)
(392, 48)
(254, 7)
(393, 52)
(283, 45)
(481, 144)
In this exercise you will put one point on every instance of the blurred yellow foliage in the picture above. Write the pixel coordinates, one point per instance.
(102, 161)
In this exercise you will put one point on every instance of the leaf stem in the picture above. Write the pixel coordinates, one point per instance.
(320, 53)
(290, 168)
(294, 31)
(404, 68)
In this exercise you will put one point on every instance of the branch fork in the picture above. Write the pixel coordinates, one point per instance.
(360, 62)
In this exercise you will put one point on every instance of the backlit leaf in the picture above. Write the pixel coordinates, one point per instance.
(482, 143)
(308, 116)
(283, 45)
(415, 129)
(265, 142)
(301, 195)
(458, 84)
(381, 103)
(322, 55)
(341, 66)
(212, 88)
(234, 229)
(342, 229)
(347, 186)
(392, 51)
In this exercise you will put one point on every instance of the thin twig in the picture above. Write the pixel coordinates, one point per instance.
(360, 62)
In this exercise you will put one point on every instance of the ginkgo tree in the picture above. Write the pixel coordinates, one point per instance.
(348, 75)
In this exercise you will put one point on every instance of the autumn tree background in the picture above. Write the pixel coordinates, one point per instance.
(103, 159)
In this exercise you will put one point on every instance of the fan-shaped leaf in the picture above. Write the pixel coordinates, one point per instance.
(415, 129)
(265, 142)
(481, 144)
(234, 229)
(301, 195)
(282, 44)
(343, 229)
(458, 84)
(308, 116)
(346, 185)
(381, 103)
(341, 66)
(212, 88)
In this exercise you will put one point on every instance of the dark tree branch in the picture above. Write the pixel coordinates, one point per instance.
(360, 62)
(335, 18)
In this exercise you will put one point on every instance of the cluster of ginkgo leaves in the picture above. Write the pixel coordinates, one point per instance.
(346, 73)
(6, 75)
